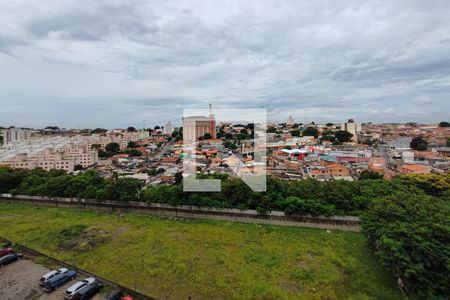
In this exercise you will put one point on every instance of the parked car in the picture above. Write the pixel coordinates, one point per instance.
(51, 274)
(117, 295)
(7, 259)
(114, 295)
(59, 280)
(74, 288)
(88, 291)
(6, 251)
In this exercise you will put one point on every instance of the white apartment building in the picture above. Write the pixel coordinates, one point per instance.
(122, 139)
(57, 161)
(61, 159)
(353, 128)
(13, 134)
(290, 121)
(168, 128)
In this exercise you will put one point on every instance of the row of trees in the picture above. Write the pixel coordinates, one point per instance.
(57, 183)
(306, 196)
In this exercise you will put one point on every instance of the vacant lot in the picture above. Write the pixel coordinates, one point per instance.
(19, 280)
(175, 259)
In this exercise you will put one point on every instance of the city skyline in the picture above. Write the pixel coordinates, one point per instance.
(84, 64)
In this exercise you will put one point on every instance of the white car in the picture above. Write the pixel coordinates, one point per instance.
(74, 288)
(51, 274)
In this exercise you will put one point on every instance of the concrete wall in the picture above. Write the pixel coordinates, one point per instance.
(347, 223)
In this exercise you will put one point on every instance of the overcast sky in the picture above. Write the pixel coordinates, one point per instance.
(115, 63)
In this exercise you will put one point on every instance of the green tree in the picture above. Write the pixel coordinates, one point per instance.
(228, 136)
(9, 180)
(220, 133)
(295, 132)
(419, 144)
(96, 146)
(102, 154)
(367, 175)
(444, 124)
(250, 126)
(343, 136)
(132, 152)
(271, 129)
(207, 136)
(112, 149)
(244, 131)
(410, 234)
(99, 130)
(123, 189)
(132, 144)
(230, 145)
(131, 129)
(178, 177)
(311, 131)
(78, 167)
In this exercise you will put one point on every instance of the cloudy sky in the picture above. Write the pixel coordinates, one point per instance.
(115, 63)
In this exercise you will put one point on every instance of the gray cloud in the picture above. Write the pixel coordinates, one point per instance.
(116, 63)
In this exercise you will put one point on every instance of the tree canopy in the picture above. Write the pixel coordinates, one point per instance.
(311, 131)
(112, 149)
(411, 235)
(418, 143)
(367, 175)
(343, 136)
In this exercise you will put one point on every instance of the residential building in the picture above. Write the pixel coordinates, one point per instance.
(15, 134)
(168, 128)
(197, 126)
(415, 169)
(353, 128)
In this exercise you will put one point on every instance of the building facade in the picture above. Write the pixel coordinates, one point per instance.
(353, 128)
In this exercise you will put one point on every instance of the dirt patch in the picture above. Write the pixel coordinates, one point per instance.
(19, 280)
(121, 230)
(292, 288)
(80, 239)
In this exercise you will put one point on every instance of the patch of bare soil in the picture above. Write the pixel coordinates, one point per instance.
(87, 240)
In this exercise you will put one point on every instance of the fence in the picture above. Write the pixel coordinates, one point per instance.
(34, 253)
(347, 223)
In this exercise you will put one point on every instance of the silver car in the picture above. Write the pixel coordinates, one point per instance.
(50, 275)
(74, 288)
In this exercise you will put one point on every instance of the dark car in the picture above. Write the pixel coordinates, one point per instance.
(59, 280)
(117, 295)
(88, 291)
(9, 259)
(6, 251)
(114, 295)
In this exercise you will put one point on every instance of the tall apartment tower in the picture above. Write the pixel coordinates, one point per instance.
(197, 126)
(290, 121)
(212, 123)
(353, 128)
(14, 134)
(168, 128)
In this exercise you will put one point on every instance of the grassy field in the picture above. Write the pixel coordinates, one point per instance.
(175, 259)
